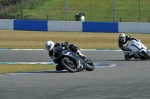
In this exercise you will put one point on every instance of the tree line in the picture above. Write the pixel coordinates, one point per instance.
(8, 2)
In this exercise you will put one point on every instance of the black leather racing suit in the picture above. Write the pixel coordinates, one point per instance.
(55, 52)
(57, 49)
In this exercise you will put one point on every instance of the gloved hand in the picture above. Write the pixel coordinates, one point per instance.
(128, 38)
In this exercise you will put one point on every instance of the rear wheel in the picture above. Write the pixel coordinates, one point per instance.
(128, 57)
(89, 65)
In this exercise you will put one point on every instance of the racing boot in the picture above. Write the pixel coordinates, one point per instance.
(59, 67)
(80, 54)
(131, 55)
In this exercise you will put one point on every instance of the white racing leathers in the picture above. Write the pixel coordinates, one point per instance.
(136, 49)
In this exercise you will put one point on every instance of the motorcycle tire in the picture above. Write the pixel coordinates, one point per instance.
(127, 57)
(146, 54)
(90, 65)
(68, 64)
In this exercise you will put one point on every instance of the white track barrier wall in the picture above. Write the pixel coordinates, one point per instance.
(134, 27)
(65, 26)
(6, 24)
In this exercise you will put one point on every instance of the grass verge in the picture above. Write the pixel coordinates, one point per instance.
(88, 40)
(20, 68)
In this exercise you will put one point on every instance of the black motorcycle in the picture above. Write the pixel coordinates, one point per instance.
(72, 62)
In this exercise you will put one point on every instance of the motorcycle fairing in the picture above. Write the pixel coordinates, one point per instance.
(136, 48)
(74, 56)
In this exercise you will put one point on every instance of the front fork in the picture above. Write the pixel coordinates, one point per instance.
(142, 52)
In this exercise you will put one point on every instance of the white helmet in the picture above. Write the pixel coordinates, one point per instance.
(49, 45)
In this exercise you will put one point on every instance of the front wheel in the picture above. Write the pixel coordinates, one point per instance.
(68, 64)
(146, 54)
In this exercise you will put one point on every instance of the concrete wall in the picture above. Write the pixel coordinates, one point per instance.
(74, 26)
(6, 24)
(135, 27)
(65, 26)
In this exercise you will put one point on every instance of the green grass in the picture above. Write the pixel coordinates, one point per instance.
(36, 40)
(20, 68)
(95, 10)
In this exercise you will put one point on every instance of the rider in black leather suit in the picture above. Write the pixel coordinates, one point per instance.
(55, 49)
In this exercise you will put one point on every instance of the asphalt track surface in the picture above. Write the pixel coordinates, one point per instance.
(127, 80)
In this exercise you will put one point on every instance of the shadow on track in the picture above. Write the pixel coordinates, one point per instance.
(37, 72)
(121, 60)
(51, 71)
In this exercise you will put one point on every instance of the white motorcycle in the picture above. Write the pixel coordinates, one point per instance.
(137, 50)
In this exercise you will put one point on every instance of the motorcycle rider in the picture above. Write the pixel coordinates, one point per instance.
(54, 50)
(123, 39)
